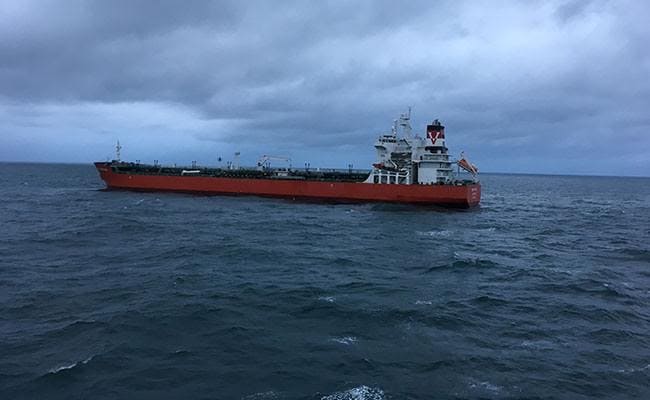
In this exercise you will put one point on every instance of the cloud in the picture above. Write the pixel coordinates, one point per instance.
(547, 80)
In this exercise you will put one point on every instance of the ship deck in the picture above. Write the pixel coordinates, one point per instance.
(323, 175)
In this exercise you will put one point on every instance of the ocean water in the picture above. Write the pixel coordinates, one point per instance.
(542, 292)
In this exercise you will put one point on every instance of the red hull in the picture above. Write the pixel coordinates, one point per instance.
(464, 196)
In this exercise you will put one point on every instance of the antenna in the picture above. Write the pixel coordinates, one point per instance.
(117, 151)
(237, 154)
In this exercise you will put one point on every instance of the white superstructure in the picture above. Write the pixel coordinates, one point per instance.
(407, 159)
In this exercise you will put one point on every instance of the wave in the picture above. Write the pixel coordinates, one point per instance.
(633, 370)
(440, 233)
(538, 344)
(586, 286)
(636, 254)
(358, 393)
(346, 340)
(69, 366)
(465, 262)
(75, 328)
(484, 386)
(489, 301)
(270, 395)
(447, 232)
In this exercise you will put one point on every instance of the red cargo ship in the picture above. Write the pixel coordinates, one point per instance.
(409, 169)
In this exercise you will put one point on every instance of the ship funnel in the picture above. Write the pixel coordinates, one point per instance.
(436, 133)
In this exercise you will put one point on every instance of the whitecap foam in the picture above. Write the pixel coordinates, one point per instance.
(423, 302)
(537, 344)
(358, 393)
(632, 370)
(466, 256)
(69, 366)
(346, 340)
(62, 368)
(262, 396)
(442, 233)
(485, 386)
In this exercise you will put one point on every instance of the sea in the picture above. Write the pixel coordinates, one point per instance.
(542, 292)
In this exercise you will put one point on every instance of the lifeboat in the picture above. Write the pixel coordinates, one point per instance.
(466, 165)
(384, 167)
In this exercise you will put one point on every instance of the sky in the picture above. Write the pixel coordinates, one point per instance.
(560, 87)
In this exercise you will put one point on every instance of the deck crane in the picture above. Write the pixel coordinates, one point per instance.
(265, 161)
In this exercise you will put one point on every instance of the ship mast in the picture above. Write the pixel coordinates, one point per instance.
(404, 122)
(237, 154)
(118, 148)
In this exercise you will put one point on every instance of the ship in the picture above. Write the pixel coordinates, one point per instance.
(409, 168)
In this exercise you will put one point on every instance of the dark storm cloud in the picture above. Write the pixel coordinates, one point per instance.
(542, 79)
(135, 51)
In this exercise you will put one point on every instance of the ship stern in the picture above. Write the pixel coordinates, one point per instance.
(473, 195)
